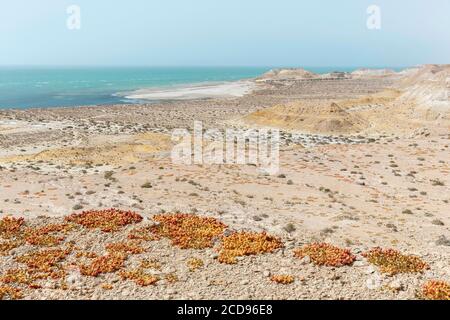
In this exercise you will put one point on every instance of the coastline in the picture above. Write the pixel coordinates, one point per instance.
(28, 88)
(205, 90)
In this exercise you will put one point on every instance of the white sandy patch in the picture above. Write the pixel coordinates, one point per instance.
(211, 90)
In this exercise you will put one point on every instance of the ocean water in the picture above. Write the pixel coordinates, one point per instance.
(22, 87)
(26, 87)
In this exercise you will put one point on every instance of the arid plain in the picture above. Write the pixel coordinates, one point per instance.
(364, 163)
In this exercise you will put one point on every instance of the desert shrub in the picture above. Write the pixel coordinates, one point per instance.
(436, 290)
(10, 227)
(139, 277)
(392, 261)
(111, 262)
(107, 220)
(282, 279)
(188, 230)
(324, 254)
(246, 243)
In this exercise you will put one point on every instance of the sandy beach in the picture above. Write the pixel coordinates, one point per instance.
(198, 91)
(364, 163)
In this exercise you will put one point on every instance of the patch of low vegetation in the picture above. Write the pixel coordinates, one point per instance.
(147, 185)
(392, 262)
(10, 292)
(139, 277)
(108, 220)
(244, 243)
(7, 246)
(324, 254)
(143, 233)
(436, 290)
(150, 264)
(46, 262)
(19, 276)
(282, 279)
(111, 262)
(437, 182)
(45, 236)
(171, 278)
(194, 264)
(188, 231)
(125, 247)
(10, 227)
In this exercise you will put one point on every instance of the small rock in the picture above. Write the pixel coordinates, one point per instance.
(443, 241)
(373, 283)
(73, 278)
(305, 260)
(245, 282)
(437, 222)
(396, 285)
(370, 270)
(360, 263)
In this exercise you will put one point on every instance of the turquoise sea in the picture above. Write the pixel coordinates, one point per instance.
(30, 87)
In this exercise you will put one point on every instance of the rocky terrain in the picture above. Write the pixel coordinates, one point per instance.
(364, 163)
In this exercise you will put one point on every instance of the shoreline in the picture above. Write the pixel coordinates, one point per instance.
(49, 88)
(165, 94)
(194, 91)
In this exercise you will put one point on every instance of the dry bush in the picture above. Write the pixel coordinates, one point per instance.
(128, 247)
(108, 220)
(151, 264)
(194, 264)
(139, 277)
(11, 292)
(436, 290)
(7, 246)
(246, 243)
(111, 262)
(392, 261)
(45, 263)
(43, 236)
(324, 254)
(171, 277)
(282, 279)
(10, 227)
(143, 233)
(188, 231)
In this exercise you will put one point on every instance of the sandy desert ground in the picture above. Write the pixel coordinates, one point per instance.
(364, 163)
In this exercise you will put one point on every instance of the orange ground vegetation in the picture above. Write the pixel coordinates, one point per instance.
(324, 254)
(282, 279)
(188, 231)
(10, 227)
(108, 220)
(139, 277)
(246, 243)
(392, 261)
(436, 290)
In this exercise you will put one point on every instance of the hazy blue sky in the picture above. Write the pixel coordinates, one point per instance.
(227, 32)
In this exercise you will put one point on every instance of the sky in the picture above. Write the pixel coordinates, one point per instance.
(224, 33)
